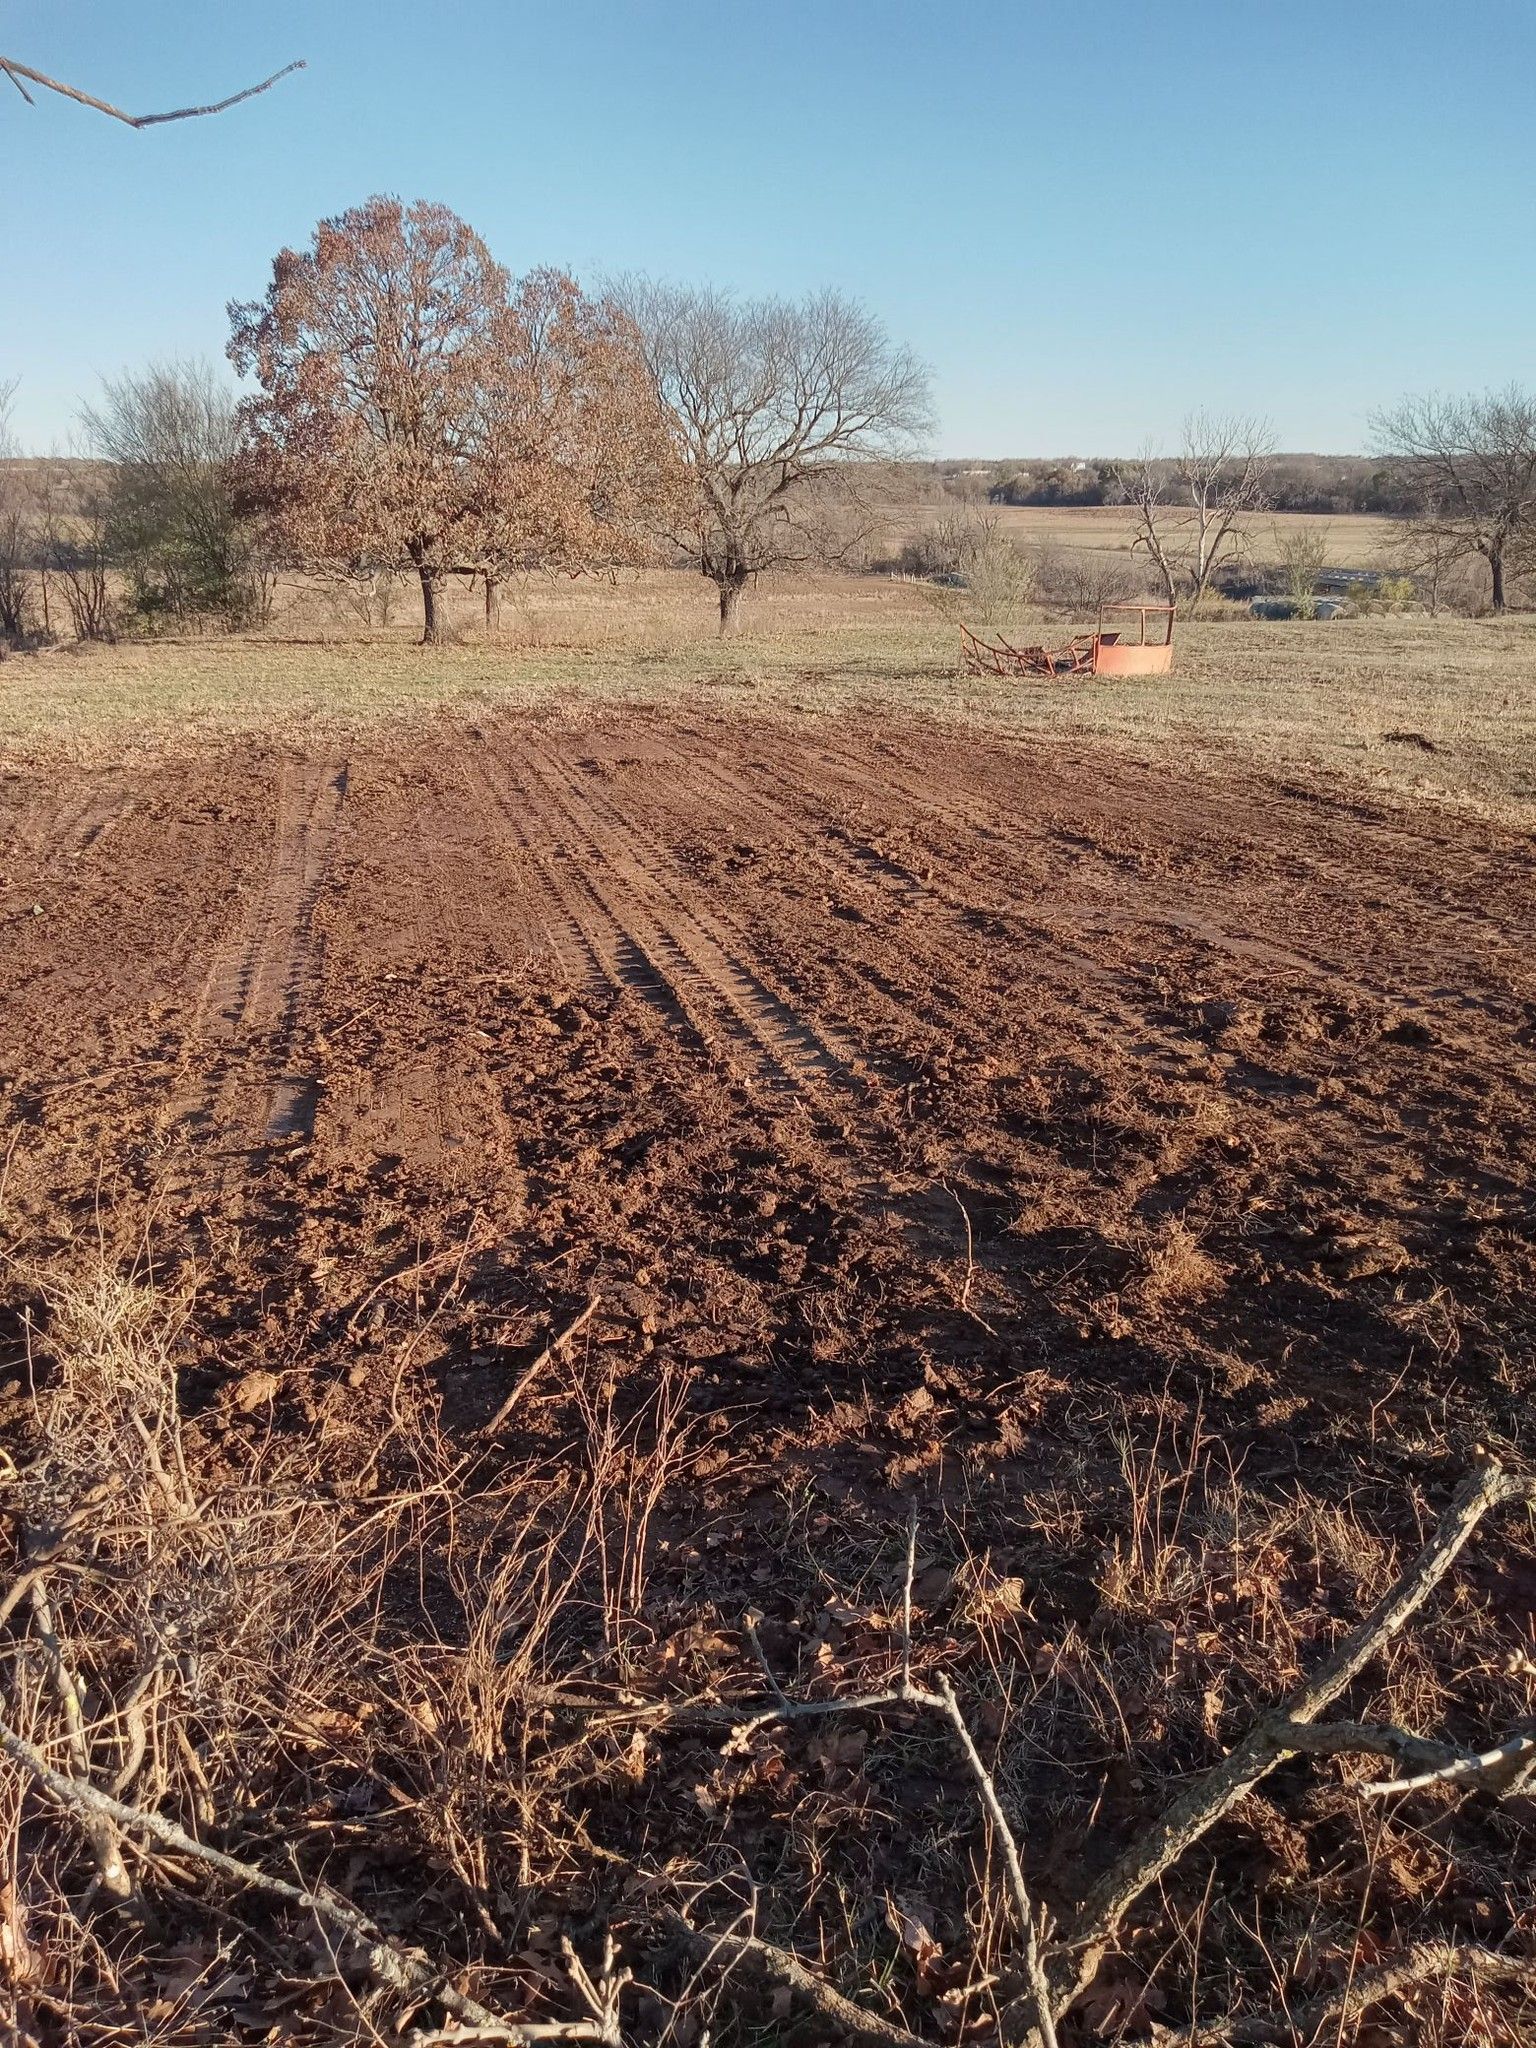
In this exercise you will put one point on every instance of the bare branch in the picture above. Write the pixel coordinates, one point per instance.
(16, 72)
(386, 1962)
(1332, 2016)
(1198, 1808)
(755, 1958)
(1037, 2007)
(551, 1350)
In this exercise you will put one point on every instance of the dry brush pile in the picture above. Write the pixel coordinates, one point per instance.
(367, 1731)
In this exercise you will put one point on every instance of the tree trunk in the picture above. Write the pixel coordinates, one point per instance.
(730, 597)
(432, 631)
(492, 604)
(1496, 564)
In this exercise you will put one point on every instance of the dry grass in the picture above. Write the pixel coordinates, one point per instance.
(369, 1660)
(1412, 708)
(1355, 540)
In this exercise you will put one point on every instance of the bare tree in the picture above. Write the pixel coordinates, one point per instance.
(1192, 513)
(1302, 552)
(71, 522)
(170, 435)
(780, 407)
(1468, 466)
(15, 577)
(22, 75)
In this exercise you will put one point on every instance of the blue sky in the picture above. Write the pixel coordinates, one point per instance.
(1088, 218)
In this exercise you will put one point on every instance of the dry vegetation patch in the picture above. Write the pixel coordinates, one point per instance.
(1439, 710)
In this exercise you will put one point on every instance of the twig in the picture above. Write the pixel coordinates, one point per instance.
(781, 1697)
(389, 1964)
(1343, 2009)
(906, 1600)
(600, 1995)
(16, 72)
(1036, 2007)
(1024, 1911)
(526, 1378)
(100, 1834)
(779, 1967)
(1197, 1809)
(507, 2030)
(417, 1270)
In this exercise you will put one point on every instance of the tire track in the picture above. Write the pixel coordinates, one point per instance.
(977, 820)
(1107, 1006)
(729, 1007)
(828, 1048)
(254, 996)
(76, 824)
(576, 951)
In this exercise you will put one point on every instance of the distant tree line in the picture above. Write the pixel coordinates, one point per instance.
(1322, 485)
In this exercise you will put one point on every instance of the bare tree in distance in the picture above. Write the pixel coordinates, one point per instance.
(169, 436)
(415, 412)
(15, 581)
(1469, 467)
(1192, 512)
(1302, 554)
(781, 407)
(17, 72)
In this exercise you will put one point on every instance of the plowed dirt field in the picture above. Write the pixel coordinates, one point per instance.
(913, 1096)
(1125, 1170)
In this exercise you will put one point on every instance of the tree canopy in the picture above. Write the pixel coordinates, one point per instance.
(416, 409)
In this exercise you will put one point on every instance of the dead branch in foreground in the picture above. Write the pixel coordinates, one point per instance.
(1055, 1982)
(386, 1962)
(1276, 1736)
(1419, 1965)
(16, 72)
(1054, 1972)
(774, 1968)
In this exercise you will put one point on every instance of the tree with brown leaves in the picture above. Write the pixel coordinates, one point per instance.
(415, 412)
(580, 468)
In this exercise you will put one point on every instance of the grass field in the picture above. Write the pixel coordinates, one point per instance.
(1414, 708)
(1355, 540)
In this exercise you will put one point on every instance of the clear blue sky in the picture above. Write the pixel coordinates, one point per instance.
(1087, 217)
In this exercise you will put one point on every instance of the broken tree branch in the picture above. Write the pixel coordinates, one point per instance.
(16, 72)
(396, 1968)
(753, 1958)
(1036, 2007)
(1502, 1769)
(1438, 1763)
(1274, 1737)
(551, 1350)
(1332, 2016)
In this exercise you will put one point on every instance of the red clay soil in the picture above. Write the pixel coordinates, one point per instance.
(842, 1063)
(924, 1107)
